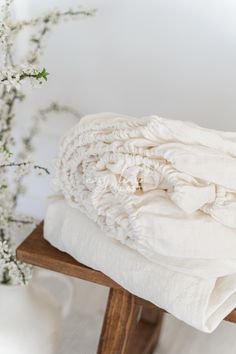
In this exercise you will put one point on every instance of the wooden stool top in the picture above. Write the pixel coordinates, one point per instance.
(37, 251)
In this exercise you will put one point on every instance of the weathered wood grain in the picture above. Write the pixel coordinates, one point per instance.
(119, 323)
(147, 333)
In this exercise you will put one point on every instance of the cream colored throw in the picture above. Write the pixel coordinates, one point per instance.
(165, 188)
(201, 303)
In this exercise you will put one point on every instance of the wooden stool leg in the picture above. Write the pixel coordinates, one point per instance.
(119, 322)
(154, 318)
(124, 331)
(147, 332)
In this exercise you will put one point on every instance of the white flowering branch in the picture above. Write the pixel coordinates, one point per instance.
(24, 164)
(12, 76)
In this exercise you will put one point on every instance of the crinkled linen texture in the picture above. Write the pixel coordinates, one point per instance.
(166, 188)
(201, 303)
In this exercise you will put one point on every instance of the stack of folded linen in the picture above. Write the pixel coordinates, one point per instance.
(151, 202)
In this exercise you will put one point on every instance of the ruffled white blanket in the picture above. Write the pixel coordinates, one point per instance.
(163, 187)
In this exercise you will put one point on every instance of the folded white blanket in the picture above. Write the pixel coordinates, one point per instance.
(202, 303)
(165, 188)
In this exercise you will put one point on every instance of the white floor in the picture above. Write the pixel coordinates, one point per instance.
(81, 329)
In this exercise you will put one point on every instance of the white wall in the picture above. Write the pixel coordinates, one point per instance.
(174, 58)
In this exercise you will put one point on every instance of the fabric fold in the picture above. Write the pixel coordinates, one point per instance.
(202, 303)
(160, 186)
(160, 197)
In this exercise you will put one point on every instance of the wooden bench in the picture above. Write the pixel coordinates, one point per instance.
(131, 325)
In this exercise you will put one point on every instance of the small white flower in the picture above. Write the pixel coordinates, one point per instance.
(13, 77)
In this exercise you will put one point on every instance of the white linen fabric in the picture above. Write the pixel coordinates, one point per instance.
(200, 302)
(166, 188)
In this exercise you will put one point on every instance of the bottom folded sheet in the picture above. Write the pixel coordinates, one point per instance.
(200, 302)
